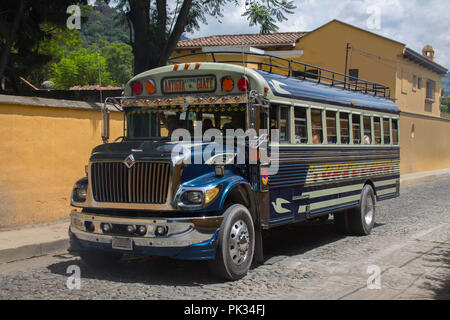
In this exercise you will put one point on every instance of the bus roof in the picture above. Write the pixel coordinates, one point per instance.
(294, 88)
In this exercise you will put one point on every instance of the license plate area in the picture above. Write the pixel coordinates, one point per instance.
(122, 243)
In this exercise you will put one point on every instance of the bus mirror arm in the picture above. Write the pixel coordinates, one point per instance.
(105, 131)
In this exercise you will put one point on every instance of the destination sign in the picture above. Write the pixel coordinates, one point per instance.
(189, 84)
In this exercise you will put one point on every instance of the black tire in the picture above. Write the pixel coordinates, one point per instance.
(362, 218)
(353, 221)
(100, 258)
(233, 258)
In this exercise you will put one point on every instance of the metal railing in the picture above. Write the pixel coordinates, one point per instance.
(295, 69)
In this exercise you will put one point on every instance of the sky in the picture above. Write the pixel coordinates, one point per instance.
(415, 23)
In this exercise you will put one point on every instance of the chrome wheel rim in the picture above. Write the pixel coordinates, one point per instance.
(369, 211)
(239, 242)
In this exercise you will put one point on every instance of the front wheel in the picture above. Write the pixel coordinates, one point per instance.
(236, 244)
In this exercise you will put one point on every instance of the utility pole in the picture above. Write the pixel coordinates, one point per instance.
(347, 49)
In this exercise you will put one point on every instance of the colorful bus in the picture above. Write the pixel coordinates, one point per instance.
(322, 144)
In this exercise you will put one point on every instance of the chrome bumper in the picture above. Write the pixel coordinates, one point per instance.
(182, 232)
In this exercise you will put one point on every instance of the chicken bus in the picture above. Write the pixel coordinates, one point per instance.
(213, 153)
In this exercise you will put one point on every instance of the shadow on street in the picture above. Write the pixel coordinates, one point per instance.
(280, 242)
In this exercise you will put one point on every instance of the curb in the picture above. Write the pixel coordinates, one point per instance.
(33, 250)
(422, 177)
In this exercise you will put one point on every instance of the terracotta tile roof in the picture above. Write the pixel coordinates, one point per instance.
(257, 39)
(94, 87)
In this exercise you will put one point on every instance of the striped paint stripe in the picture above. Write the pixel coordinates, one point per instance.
(385, 182)
(386, 191)
(328, 191)
(329, 203)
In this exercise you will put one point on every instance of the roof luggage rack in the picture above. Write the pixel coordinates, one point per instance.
(297, 70)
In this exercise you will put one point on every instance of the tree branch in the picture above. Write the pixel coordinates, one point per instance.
(178, 29)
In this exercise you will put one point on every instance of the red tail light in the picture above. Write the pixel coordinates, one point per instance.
(243, 84)
(137, 88)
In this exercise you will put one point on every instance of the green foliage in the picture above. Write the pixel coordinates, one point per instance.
(445, 105)
(25, 57)
(60, 42)
(81, 67)
(103, 23)
(119, 61)
(267, 13)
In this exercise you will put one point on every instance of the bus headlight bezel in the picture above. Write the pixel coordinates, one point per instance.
(198, 197)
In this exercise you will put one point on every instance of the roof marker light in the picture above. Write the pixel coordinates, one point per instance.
(197, 65)
(227, 84)
(243, 84)
(186, 66)
(136, 87)
(150, 87)
(175, 67)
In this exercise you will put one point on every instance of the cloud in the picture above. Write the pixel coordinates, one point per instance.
(415, 23)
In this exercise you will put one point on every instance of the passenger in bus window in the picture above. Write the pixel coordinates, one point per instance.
(366, 139)
(316, 138)
(316, 126)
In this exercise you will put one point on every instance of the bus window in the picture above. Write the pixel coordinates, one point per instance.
(331, 127)
(301, 135)
(386, 133)
(316, 126)
(394, 131)
(356, 122)
(367, 130)
(284, 123)
(377, 130)
(279, 119)
(345, 127)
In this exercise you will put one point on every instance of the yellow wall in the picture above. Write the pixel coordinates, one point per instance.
(424, 143)
(413, 100)
(43, 152)
(326, 47)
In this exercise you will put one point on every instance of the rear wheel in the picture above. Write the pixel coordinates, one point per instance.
(236, 244)
(361, 219)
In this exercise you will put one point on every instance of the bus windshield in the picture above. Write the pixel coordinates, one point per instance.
(150, 124)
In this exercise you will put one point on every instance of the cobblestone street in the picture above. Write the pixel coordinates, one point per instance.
(409, 246)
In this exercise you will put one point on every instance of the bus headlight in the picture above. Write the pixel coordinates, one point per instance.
(79, 192)
(194, 197)
(199, 198)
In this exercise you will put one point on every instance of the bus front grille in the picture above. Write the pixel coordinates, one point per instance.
(144, 182)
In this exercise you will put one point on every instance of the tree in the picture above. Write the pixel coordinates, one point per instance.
(155, 28)
(119, 61)
(81, 67)
(22, 27)
(263, 15)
